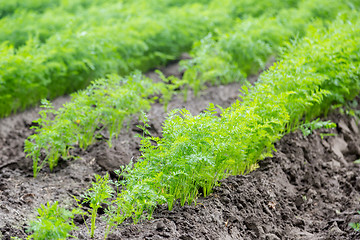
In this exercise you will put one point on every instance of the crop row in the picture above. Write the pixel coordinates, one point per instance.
(107, 103)
(19, 27)
(14, 6)
(73, 56)
(75, 17)
(233, 55)
(197, 151)
(229, 59)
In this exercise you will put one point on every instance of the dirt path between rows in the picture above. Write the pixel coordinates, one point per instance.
(308, 190)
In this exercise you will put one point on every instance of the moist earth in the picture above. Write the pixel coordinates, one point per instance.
(309, 189)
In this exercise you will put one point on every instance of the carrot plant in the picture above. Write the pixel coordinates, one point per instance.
(100, 193)
(53, 222)
(308, 127)
(168, 89)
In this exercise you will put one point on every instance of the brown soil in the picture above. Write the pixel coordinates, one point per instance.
(308, 190)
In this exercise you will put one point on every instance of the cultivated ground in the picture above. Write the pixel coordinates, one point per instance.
(310, 189)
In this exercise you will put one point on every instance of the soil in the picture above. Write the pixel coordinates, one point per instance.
(309, 189)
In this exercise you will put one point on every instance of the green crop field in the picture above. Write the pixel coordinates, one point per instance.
(99, 52)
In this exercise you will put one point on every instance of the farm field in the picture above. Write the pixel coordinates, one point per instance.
(186, 119)
(268, 202)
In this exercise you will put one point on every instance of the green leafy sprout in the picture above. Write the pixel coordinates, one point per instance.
(310, 127)
(99, 194)
(53, 222)
(355, 226)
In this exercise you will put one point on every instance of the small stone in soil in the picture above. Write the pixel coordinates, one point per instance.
(160, 226)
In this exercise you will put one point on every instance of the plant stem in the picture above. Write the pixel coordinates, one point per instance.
(93, 218)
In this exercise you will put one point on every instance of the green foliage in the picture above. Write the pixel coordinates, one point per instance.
(42, 57)
(233, 55)
(197, 151)
(72, 57)
(106, 104)
(355, 226)
(309, 127)
(168, 89)
(325, 9)
(79, 121)
(84, 14)
(53, 222)
(79, 16)
(98, 194)
(9, 7)
(245, 8)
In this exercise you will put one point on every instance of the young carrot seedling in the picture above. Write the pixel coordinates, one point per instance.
(53, 222)
(98, 194)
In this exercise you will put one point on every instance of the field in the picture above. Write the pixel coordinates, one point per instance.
(186, 119)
